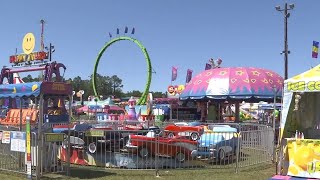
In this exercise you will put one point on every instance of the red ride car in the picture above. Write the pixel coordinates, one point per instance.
(145, 146)
(193, 130)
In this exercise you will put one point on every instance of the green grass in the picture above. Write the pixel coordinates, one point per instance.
(262, 172)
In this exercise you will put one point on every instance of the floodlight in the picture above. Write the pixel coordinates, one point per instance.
(291, 6)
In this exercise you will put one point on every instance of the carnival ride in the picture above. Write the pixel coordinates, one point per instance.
(30, 109)
(143, 98)
(49, 93)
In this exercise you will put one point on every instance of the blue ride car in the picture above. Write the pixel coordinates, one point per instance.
(217, 142)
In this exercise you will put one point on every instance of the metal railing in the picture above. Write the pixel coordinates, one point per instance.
(158, 149)
(13, 156)
(131, 146)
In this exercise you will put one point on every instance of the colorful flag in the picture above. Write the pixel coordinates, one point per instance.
(315, 49)
(208, 66)
(189, 75)
(174, 73)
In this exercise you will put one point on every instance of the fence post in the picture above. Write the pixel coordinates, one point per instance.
(28, 148)
(156, 156)
(238, 152)
(274, 147)
(68, 138)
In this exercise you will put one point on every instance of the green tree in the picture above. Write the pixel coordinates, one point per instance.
(134, 93)
(108, 86)
(158, 94)
(27, 78)
(117, 86)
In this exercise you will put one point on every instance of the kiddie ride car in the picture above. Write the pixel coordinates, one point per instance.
(192, 130)
(218, 142)
(178, 147)
(101, 137)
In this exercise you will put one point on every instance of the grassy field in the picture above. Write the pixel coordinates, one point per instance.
(262, 172)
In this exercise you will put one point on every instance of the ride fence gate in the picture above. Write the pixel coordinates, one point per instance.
(31, 152)
(151, 149)
(147, 149)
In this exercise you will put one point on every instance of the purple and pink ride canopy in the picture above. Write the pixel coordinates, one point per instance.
(234, 83)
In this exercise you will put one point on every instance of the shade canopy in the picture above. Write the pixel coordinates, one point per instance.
(234, 83)
(34, 89)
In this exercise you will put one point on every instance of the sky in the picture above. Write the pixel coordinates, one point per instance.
(180, 33)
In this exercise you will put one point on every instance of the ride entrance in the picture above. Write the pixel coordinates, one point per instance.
(29, 110)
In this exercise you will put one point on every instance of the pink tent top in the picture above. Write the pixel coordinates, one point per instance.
(234, 83)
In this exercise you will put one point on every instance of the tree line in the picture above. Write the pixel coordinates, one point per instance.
(106, 86)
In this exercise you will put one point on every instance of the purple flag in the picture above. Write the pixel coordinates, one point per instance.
(189, 75)
(174, 73)
(315, 49)
(208, 66)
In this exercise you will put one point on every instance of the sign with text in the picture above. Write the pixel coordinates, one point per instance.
(95, 133)
(18, 141)
(54, 137)
(6, 137)
(303, 86)
(35, 56)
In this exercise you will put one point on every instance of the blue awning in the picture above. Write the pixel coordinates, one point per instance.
(20, 90)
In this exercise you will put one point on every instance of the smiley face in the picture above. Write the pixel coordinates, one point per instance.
(28, 43)
(180, 89)
(171, 90)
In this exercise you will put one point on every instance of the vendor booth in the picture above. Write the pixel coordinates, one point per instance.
(300, 126)
(26, 131)
(50, 96)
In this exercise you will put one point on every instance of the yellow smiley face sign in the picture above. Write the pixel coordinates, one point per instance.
(28, 43)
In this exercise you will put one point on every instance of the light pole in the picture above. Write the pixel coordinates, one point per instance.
(286, 51)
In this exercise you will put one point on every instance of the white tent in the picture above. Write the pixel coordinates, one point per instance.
(301, 103)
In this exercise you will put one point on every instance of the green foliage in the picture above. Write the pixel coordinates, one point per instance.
(106, 86)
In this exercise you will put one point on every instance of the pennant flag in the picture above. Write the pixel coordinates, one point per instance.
(132, 32)
(126, 30)
(315, 48)
(208, 66)
(189, 75)
(118, 31)
(110, 35)
(174, 73)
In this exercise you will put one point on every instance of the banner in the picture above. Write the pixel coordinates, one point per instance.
(174, 73)
(189, 75)
(208, 66)
(175, 90)
(315, 49)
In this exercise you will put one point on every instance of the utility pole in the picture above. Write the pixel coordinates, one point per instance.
(286, 51)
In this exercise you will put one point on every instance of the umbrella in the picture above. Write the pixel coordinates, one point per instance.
(234, 83)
